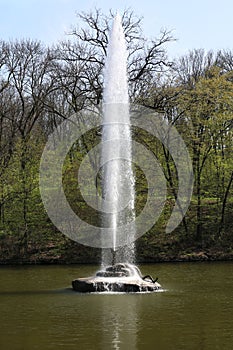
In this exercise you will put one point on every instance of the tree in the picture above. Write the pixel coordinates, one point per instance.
(146, 58)
(26, 66)
(208, 107)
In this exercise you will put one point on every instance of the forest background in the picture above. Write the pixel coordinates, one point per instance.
(41, 86)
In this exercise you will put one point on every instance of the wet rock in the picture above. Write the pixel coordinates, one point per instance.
(110, 274)
(125, 278)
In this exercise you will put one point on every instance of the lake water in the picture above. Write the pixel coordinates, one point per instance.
(38, 310)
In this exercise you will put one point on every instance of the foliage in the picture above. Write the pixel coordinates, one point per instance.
(40, 87)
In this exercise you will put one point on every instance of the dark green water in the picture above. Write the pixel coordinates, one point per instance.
(37, 311)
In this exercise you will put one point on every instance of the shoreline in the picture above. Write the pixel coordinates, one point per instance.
(200, 256)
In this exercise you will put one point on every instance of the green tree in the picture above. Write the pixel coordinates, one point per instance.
(208, 114)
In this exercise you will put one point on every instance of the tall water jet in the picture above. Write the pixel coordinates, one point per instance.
(117, 174)
(118, 274)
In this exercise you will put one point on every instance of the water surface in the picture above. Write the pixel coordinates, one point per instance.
(38, 310)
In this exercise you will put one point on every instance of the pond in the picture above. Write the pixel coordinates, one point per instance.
(38, 310)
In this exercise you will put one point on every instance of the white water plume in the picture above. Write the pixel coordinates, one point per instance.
(117, 175)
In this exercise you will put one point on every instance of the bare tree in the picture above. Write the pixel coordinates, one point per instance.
(189, 68)
(225, 60)
(146, 57)
(25, 70)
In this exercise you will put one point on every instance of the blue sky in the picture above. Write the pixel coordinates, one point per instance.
(196, 24)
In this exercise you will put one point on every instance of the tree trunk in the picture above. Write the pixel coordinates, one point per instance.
(222, 221)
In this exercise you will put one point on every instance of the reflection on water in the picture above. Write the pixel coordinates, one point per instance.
(118, 311)
(116, 337)
(39, 310)
(35, 292)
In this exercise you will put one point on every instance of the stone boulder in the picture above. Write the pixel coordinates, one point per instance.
(117, 278)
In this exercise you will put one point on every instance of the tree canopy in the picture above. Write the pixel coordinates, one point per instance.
(41, 86)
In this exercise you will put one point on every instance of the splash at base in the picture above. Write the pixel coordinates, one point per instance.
(124, 278)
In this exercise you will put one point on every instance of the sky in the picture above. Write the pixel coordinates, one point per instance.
(195, 24)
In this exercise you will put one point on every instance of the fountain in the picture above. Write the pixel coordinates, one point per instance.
(117, 177)
(120, 277)
(118, 274)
